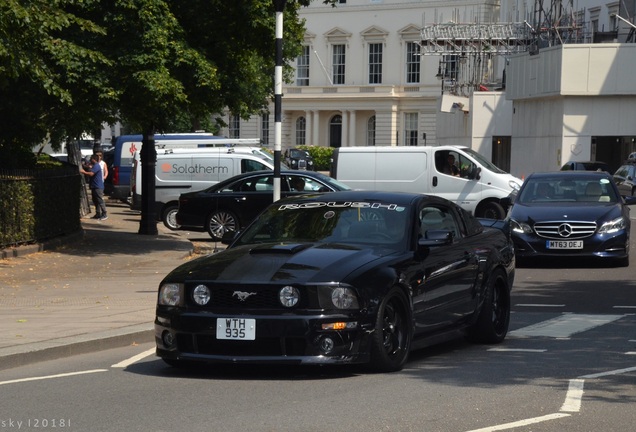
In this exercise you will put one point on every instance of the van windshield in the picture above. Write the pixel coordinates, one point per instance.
(267, 157)
(484, 162)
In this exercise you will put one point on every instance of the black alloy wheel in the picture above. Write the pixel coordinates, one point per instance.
(391, 340)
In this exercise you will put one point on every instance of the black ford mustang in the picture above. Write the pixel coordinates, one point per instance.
(341, 277)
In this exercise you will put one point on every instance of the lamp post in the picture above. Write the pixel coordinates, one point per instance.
(279, 7)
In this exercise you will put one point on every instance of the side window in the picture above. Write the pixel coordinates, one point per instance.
(438, 219)
(248, 165)
(454, 164)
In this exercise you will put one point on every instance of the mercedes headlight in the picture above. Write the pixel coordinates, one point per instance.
(613, 226)
(520, 227)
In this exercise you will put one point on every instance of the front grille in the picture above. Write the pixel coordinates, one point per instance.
(560, 230)
(262, 346)
(244, 297)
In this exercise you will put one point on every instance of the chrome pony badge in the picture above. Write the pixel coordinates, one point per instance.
(242, 295)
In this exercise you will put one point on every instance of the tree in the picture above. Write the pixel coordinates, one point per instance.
(52, 80)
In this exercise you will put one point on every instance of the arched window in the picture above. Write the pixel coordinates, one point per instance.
(371, 131)
(301, 131)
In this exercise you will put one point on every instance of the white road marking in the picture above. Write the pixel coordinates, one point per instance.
(539, 305)
(565, 325)
(517, 350)
(522, 423)
(624, 307)
(128, 362)
(572, 402)
(53, 376)
(573, 396)
(609, 373)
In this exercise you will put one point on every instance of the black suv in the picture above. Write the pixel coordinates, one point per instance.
(625, 179)
(299, 159)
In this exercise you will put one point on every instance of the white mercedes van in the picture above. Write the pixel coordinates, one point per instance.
(458, 174)
(186, 170)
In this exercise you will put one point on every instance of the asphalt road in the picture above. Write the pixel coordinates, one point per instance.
(569, 363)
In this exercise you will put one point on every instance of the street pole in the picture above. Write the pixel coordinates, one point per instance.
(148, 156)
(279, 6)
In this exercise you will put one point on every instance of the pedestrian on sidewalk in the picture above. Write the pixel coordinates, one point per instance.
(96, 184)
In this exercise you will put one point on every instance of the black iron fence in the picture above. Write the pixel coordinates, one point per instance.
(37, 205)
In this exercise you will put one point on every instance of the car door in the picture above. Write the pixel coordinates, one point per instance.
(248, 197)
(462, 188)
(449, 271)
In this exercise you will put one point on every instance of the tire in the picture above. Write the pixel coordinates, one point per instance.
(493, 320)
(491, 210)
(219, 222)
(391, 339)
(169, 217)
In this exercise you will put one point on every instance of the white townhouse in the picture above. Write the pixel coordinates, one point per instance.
(367, 78)
(361, 79)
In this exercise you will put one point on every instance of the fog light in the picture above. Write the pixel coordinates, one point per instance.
(326, 345)
(168, 339)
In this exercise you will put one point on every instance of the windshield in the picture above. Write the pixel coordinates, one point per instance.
(267, 157)
(484, 162)
(331, 222)
(558, 189)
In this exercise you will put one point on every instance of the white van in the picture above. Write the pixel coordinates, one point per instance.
(181, 170)
(471, 181)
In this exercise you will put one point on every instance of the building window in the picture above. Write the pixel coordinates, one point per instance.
(412, 63)
(235, 126)
(301, 131)
(338, 64)
(375, 63)
(265, 129)
(410, 129)
(371, 131)
(302, 68)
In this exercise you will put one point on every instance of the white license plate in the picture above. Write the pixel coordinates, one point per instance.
(564, 244)
(236, 328)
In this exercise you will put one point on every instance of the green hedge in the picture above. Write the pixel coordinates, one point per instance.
(321, 155)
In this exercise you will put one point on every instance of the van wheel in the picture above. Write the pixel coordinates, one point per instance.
(169, 217)
(491, 210)
(219, 222)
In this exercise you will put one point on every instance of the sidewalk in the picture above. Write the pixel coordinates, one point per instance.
(94, 290)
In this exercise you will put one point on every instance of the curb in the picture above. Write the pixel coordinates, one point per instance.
(22, 355)
(18, 251)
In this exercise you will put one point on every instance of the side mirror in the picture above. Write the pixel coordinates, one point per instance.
(436, 238)
(476, 174)
(629, 200)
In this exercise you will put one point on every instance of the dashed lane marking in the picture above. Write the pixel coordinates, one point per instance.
(565, 325)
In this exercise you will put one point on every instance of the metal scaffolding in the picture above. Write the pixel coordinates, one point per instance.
(496, 39)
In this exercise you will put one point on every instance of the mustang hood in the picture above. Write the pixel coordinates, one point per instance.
(281, 263)
(554, 212)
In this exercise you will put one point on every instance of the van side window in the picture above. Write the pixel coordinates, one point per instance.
(454, 163)
(248, 165)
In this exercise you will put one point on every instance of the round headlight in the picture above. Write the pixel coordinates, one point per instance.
(170, 295)
(289, 296)
(344, 298)
(201, 295)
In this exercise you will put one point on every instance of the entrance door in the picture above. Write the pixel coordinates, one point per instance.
(335, 131)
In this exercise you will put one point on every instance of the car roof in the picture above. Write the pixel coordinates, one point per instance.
(568, 174)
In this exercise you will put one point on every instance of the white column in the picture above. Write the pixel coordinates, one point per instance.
(309, 127)
(316, 130)
(352, 128)
(345, 128)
